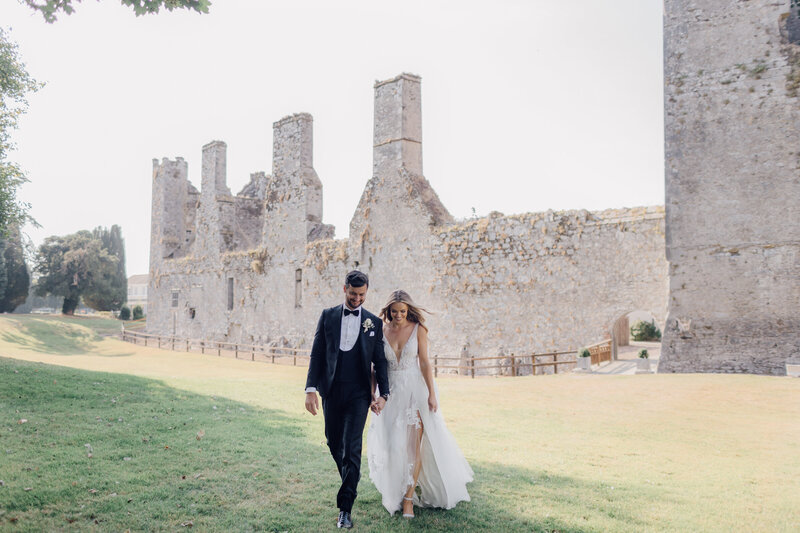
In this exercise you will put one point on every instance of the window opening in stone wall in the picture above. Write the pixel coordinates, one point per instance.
(230, 294)
(793, 22)
(298, 287)
(175, 295)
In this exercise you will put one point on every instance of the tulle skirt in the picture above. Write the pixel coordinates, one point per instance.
(391, 448)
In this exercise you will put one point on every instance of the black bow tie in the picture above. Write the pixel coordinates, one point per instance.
(349, 312)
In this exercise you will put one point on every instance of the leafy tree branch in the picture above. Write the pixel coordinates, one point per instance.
(50, 9)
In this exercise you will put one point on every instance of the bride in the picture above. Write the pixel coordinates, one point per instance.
(408, 443)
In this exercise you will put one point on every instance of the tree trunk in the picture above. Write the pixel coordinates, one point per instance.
(70, 304)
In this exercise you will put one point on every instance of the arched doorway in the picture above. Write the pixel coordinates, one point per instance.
(624, 346)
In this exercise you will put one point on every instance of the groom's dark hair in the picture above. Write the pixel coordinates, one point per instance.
(355, 278)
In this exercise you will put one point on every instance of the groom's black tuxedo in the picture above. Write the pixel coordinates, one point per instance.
(343, 380)
(325, 351)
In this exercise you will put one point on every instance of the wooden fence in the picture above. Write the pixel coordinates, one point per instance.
(601, 352)
(512, 365)
(253, 352)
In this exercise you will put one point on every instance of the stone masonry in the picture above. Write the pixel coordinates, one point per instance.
(259, 266)
(732, 134)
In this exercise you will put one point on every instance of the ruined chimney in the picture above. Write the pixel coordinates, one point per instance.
(167, 224)
(292, 145)
(397, 139)
(293, 197)
(214, 173)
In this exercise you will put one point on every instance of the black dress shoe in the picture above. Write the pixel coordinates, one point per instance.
(344, 520)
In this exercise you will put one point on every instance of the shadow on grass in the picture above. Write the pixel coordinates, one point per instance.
(55, 336)
(121, 452)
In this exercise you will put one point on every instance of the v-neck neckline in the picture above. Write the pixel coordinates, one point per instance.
(397, 357)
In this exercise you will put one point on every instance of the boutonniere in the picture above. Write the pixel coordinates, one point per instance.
(368, 325)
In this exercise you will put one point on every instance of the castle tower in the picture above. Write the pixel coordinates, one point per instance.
(732, 128)
(293, 204)
(167, 221)
(397, 137)
(216, 213)
(398, 209)
(214, 173)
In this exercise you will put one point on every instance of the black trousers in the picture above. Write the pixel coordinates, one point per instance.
(345, 410)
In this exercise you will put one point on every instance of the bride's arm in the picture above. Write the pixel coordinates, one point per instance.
(425, 367)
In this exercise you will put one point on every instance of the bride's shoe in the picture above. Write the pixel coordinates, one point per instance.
(405, 514)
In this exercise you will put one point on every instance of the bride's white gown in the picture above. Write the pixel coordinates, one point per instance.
(391, 440)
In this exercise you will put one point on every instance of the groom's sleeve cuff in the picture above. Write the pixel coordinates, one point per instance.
(311, 389)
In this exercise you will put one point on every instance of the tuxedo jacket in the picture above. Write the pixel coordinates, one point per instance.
(325, 351)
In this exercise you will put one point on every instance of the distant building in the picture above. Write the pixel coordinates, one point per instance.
(137, 291)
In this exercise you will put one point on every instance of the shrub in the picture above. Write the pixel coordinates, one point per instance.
(643, 354)
(138, 312)
(125, 313)
(584, 353)
(645, 331)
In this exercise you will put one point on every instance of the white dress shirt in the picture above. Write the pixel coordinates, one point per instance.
(348, 334)
(350, 326)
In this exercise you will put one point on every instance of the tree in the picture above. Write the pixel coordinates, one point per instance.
(138, 312)
(14, 272)
(125, 313)
(15, 84)
(51, 8)
(74, 265)
(645, 331)
(113, 291)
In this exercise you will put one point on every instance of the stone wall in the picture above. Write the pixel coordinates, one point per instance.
(549, 281)
(732, 132)
(495, 285)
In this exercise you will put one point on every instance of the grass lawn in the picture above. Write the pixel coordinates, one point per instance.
(223, 445)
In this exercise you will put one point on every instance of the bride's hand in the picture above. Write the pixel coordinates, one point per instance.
(433, 405)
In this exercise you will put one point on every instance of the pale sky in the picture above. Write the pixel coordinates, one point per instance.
(527, 105)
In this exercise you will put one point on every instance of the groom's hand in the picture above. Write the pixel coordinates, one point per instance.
(377, 405)
(312, 403)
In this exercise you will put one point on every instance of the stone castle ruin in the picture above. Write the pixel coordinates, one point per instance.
(259, 266)
(732, 136)
(723, 256)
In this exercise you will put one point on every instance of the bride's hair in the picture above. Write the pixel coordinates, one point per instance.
(414, 311)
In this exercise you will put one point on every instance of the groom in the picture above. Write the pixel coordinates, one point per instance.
(347, 344)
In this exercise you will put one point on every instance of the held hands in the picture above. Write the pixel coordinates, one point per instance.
(433, 405)
(312, 403)
(377, 405)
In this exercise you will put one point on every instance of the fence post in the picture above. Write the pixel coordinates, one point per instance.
(555, 363)
(472, 365)
(253, 352)
(513, 366)
(435, 366)
(203, 346)
(159, 341)
(219, 349)
(173, 343)
(187, 345)
(236, 351)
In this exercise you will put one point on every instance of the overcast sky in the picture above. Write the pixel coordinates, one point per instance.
(527, 105)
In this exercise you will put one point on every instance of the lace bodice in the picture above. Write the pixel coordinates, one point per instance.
(408, 355)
